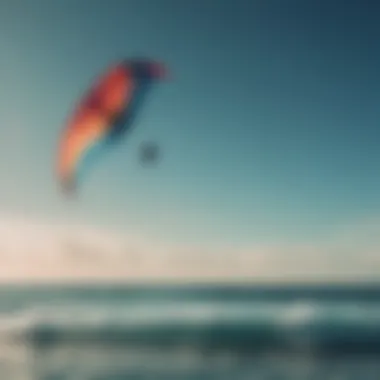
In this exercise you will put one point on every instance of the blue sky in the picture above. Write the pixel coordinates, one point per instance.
(269, 127)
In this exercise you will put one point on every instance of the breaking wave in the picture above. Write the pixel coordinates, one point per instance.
(242, 326)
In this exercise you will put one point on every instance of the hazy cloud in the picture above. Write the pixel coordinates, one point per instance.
(32, 250)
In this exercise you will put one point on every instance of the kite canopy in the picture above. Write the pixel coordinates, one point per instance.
(104, 115)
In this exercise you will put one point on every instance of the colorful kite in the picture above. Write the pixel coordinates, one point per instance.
(104, 115)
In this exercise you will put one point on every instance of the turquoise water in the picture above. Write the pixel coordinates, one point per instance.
(114, 333)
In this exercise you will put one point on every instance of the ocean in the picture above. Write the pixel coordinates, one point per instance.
(190, 332)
